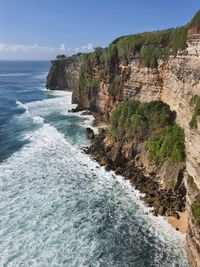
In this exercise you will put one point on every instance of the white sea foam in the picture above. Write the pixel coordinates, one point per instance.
(21, 105)
(61, 103)
(41, 76)
(64, 99)
(50, 197)
(48, 106)
(87, 122)
(41, 88)
(38, 119)
(59, 207)
(26, 117)
(14, 74)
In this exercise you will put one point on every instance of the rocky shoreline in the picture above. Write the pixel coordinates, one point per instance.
(166, 202)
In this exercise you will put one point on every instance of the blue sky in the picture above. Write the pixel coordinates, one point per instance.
(40, 29)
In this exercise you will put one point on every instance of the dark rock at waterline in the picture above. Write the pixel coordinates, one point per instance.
(111, 155)
(90, 133)
(74, 110)
(86, 113)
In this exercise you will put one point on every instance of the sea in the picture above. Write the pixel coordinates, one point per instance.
(58, 207)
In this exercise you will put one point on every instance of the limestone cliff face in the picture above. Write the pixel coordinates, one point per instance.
(175, 82)
(181, 82)
(63, 74)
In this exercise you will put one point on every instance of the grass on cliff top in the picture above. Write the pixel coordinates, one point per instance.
(150, 122)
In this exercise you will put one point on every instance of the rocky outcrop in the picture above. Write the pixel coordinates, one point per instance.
(63, 74)
(89, 133)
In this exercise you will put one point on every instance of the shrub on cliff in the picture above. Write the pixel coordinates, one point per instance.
(132, 114)
(195, 104)
(112, 62)
(151, 46)
(167, 145)
(61, 57)
(151, 122)
(196, 210)
(150, 54)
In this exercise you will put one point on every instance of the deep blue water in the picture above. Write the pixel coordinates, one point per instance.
(58, 207)
(24, 82)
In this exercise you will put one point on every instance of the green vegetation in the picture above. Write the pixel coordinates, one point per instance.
(52, 72)
(195, 103)
(150, 54)
(87, 80)
(151, 122)
(87, 84)
(196, 210)
(167, 146)
(191, 183)
(151, 46)
(58, 67)
(61, 57)
(196, 20)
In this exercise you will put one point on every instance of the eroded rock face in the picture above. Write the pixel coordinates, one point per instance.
(63, 74)
(89, 133)
(175, 82)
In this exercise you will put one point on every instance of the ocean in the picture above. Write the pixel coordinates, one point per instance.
(58, 207)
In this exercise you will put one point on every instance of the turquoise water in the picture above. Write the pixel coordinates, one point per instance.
(58, 207)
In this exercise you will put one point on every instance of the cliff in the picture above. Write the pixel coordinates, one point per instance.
(63, 74)
(175, 82)
(149, 67)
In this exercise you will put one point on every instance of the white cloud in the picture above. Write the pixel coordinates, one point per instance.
(35, 51)
(62, 47)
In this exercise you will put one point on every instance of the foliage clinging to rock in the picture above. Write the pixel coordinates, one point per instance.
(196, 210)
(195, 103)
(153, 122)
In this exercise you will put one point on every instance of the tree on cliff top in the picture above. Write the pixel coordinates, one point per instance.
(61, 57)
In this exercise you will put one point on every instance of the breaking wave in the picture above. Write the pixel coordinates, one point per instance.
(14, 74)
(21, 105)
(60, 208)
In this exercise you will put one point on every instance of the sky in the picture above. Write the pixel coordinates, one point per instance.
(41, 29)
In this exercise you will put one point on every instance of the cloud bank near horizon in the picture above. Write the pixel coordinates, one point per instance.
(38, 52)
